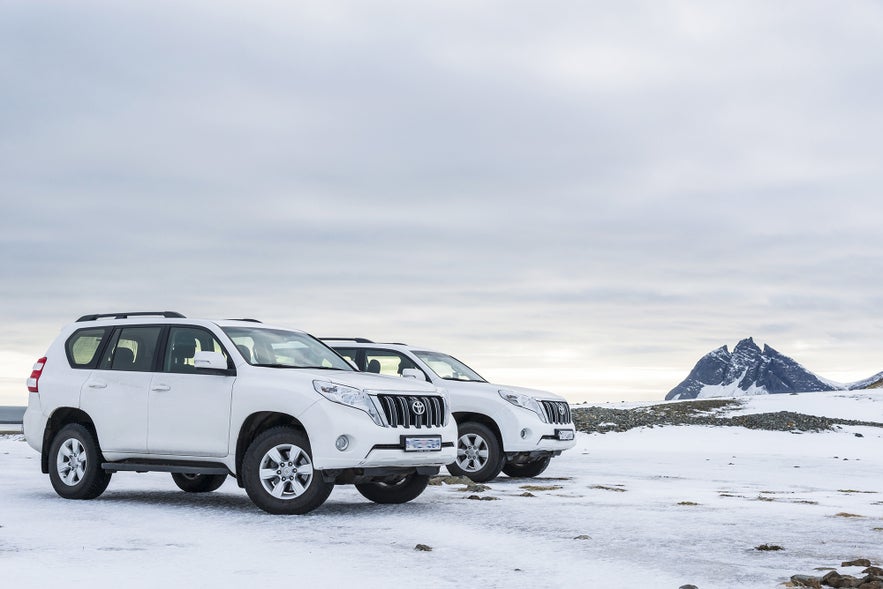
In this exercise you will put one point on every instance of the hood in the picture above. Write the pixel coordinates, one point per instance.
(491, 388)
(374, 382)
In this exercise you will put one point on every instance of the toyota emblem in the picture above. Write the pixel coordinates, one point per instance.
(418, 407)
(560, 409)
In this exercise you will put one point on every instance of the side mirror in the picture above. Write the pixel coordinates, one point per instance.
(413, 373)
(210, 361)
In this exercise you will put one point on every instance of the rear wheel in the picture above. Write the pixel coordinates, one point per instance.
(400, 490)
(75, 464)
(479, 455)
(528, 469)
(278, 473)
(198, 483)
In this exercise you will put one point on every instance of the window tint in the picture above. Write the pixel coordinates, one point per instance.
(134, 349)
(387, 362)
(183, 344)
(82, 347)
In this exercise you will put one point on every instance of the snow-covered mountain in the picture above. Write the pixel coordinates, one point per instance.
(748, 370)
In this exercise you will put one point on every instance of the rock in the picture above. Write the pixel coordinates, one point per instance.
(480, 498)
(859, 562)
(527, 494)
(583, 537)
(475, 488)
(871, 570)
(450, 480)
(769, 547)
(423, 548)
(806, 581)
(688, 587)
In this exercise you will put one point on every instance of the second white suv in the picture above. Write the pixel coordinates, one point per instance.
(506, 428)
(275, 408)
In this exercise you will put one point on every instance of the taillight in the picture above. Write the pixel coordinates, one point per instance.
(35, 375)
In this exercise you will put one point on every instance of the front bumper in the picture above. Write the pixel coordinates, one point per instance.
(370, 445)
(529, 434)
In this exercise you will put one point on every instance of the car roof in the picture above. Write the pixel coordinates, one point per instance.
(342, 342)
(168, 318)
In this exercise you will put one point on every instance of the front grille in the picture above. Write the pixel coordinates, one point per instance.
(556, 411)
(404, 410)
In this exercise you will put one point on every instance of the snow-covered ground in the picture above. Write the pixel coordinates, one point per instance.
(654, 508)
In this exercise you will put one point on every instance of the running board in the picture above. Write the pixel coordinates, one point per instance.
(190, 468)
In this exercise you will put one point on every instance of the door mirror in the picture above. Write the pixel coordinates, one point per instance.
(413, 373)
(210, 361)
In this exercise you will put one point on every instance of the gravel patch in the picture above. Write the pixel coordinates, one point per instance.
(704, 412)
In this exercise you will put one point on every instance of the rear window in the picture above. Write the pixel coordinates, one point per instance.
(82, 347)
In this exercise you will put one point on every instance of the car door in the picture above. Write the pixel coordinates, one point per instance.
(115, 394)
(189, 409)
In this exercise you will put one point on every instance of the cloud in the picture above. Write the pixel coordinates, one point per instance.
(636, 183)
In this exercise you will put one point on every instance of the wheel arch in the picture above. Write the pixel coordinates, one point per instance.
(61, 417)
(465, 416)
(254, 425)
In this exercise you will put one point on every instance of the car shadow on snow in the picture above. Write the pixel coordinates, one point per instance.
(232, 501)
(201, 501)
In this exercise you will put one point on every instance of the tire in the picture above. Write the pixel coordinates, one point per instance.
(278, 474)
(403, 490)
(198, 483)
(527, 469)
(479, 455)
(75, 464)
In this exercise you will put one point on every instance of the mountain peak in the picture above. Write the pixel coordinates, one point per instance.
(745, 345)
(747, 371)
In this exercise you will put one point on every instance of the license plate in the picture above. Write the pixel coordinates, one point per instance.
(422, 444)
(564, 434)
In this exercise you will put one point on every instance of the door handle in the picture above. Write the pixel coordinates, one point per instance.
(97, 385)
(160, 388)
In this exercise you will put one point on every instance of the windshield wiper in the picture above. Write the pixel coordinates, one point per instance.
(454, 378)
(274, 365)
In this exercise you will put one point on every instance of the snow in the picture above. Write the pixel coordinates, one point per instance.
(661, 507)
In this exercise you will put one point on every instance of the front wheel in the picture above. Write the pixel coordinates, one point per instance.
(278, 473)
(75, 464)
(479, 455)
(528, 469)
(402, 490)
(198, 483)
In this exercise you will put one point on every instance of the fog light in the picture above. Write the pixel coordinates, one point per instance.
(524, 433)
(342, 443)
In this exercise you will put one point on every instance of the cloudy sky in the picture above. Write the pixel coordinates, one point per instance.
(579, 196)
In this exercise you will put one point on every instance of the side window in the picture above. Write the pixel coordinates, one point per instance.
(351, 354)
(387, 362)
(134, 349)
(183, 344)
(82, 347)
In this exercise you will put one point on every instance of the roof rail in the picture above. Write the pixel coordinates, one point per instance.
(358, 340)
(244, 319)
(166, 314)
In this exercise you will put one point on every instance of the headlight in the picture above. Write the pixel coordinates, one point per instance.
(525, 402)
(349, 396)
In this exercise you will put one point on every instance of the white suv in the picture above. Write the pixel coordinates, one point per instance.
(275, 408)
(512, 429)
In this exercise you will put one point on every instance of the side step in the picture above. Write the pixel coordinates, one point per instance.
(183, 468)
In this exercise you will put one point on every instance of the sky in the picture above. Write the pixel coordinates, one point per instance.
(583, 197)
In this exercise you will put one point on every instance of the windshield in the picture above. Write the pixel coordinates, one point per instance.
(448, 367)
(277, 348)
